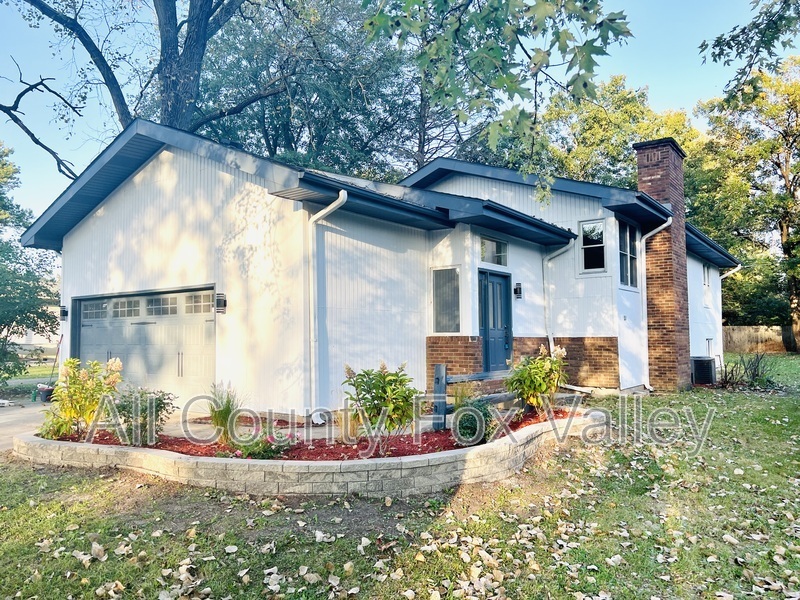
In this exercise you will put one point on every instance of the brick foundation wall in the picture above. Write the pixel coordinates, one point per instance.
(591, 362)
(462, 354)
(660, 166)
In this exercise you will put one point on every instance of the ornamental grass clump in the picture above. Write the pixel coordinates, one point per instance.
(77, 396)
(383, 401)
(533, 378)
(223, 409)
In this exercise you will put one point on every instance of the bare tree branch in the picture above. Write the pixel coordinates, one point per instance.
(96, 55)
(266, 92)
(13, 112)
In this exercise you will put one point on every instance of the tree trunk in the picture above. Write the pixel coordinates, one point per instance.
(794, 309)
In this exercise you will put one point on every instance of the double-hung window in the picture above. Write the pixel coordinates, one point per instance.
(593, 246)
(628, 255)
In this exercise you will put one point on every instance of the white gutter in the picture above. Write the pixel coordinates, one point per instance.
(546, 288)
(731, 272)
(643, 270)
(313, 300)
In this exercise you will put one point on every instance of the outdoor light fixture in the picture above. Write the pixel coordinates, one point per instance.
(518, 291)
(221, 304)
(63, 312)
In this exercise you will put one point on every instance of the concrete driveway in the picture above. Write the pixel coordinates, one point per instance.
(23, 418)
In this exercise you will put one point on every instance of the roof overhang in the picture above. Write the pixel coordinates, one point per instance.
(502, 219)
(130, 151)
(316, 188)
(704, 247)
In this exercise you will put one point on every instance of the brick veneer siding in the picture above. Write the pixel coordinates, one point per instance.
(462, 354)
(591, 362)
(660, 166)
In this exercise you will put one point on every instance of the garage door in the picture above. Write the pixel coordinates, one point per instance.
(165, 341)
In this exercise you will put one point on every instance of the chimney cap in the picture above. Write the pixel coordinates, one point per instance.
(667, 141)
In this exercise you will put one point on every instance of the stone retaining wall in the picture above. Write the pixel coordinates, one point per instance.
(402, 476)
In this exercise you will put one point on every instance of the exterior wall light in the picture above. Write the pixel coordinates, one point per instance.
(63, 313)
(221, 304)
(518, 291)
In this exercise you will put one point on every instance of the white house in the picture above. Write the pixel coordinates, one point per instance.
(195, 262)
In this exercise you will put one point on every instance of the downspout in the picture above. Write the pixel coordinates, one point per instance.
(313, 300)
(644, 239)
(546, 289)
(731, 272)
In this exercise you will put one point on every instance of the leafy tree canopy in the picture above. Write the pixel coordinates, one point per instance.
(747, 188)
(26, 281)
(152, 58)
(758, 43)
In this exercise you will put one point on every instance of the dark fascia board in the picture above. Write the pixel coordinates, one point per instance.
(441, 210)
(37, 234)
(703, 246)
(366, 201)
(637, 206)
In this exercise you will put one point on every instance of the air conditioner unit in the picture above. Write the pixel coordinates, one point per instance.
(704, 370)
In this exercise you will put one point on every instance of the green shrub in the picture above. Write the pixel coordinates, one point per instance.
(382, 398)
(265, 446)
(468, 423)
(144, 413)
(77, 396)
(222, 409)
(534, 377)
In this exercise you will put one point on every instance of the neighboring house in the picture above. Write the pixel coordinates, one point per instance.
(195, 262)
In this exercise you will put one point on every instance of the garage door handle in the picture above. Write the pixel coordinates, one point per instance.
(144, 323)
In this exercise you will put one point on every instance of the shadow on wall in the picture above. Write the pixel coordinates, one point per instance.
(372, 284)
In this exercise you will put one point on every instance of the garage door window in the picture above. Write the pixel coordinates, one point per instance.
(94, 310)
(125, 308)
(198, 303)
(157, 307)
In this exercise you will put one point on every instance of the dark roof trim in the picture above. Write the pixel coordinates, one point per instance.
(704, 247)
(635, 206)
(667, 141)
(322, 189)
(424, 209)
(129, 152)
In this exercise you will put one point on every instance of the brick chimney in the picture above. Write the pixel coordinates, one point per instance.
(660, 167)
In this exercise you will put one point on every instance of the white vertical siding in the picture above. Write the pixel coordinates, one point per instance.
(185, 221)
(705, 308)
(582, 304)
(373, 290)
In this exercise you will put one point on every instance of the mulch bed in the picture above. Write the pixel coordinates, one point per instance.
(402, 445)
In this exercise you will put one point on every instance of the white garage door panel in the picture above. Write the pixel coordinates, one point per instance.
(172, 352)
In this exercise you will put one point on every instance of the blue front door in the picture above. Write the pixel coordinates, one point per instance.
(495, 314)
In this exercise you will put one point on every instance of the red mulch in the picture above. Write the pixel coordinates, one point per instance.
(247, 421)
(403, 445)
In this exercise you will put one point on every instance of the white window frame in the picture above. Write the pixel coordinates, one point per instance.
(583, 269)
(626, 253)
(486, 238)
(707, 285)
(457, 269)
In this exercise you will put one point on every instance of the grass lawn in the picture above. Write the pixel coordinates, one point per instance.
(612, 520)
(40, 372)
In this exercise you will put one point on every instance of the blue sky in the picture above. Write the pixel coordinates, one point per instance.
(663, 56)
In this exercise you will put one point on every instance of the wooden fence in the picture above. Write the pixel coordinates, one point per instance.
(755, 338)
